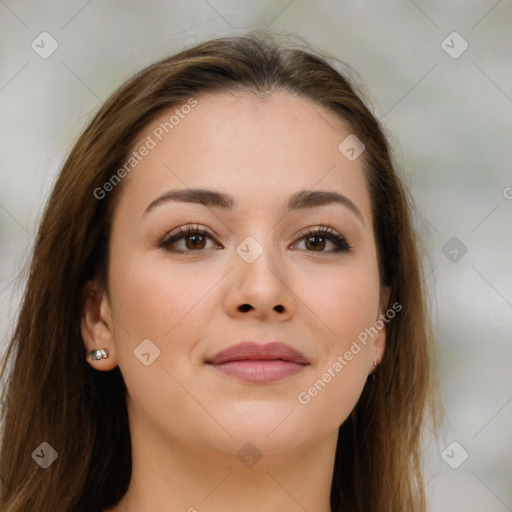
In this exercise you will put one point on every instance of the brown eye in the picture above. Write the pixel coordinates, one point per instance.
(317, 239)
(194, 239)
(315, 243)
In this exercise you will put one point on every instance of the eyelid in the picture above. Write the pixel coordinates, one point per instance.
(328, 232)
(323, 231)
(183, 231)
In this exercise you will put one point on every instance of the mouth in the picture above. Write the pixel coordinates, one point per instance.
(251, 362)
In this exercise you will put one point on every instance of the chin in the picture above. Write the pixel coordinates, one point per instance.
(272, 428)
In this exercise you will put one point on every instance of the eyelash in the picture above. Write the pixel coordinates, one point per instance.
(326, 232)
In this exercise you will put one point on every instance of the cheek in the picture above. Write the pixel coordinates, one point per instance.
(168, 305)
(345, 307)
(154, 302)
(154, 298)
(343, 303)
(334, 392)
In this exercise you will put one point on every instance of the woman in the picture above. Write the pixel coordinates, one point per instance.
(225, 307)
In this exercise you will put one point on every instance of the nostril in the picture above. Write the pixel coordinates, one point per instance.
(245, 307)
(279, 308)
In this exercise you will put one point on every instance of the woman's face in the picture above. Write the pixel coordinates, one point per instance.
(256, 275)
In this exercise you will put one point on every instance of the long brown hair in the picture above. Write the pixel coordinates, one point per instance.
(54, 396)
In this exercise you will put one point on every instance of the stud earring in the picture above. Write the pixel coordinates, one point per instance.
(98, 354)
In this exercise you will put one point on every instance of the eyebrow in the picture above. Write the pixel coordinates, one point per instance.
(302, 200)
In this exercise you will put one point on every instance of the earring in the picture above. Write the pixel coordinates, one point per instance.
(375, 364)
(98, 354)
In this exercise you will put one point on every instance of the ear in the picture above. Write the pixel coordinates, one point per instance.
(96, 325)
(379, 340)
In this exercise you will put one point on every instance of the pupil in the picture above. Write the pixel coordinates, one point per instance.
(195, 240)
(316, 244)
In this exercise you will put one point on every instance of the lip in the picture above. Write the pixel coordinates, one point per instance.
(253, 362)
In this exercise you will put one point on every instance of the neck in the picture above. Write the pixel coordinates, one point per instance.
(196, 478)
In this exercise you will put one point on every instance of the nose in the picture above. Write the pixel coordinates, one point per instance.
(260, 288)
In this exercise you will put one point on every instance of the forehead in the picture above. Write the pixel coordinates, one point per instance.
(260, 150)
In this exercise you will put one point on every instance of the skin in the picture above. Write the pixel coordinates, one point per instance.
(187, 420)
